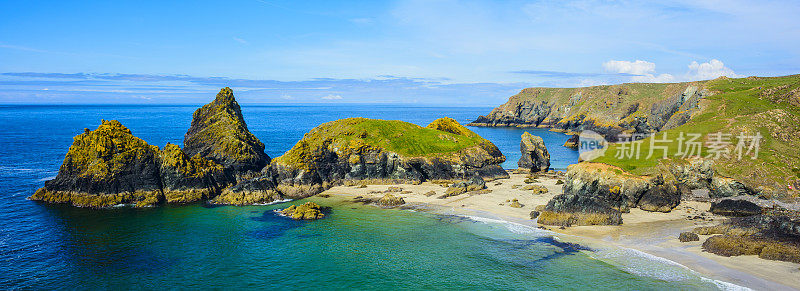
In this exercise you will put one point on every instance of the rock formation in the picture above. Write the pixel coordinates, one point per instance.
(573, 142)
(390, 200)
(105, 167)
(110, 166)
(773, 235)
(218, 133)
(306, 211)
(383, 150)
(535, 157)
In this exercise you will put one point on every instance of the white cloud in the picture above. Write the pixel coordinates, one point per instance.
(240, 40)
(643, 71)
(711, 70)
(637, 67)
(287, 97)
(332, 97)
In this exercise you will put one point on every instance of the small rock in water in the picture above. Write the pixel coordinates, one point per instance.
(307, 211)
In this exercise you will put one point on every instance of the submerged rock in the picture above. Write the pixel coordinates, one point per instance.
(534, 154)
(219, 133)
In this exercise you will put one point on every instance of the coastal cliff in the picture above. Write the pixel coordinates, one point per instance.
(608, 109)
(759, 119)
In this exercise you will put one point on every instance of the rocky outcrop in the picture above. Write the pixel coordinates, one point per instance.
(600, 192)
(573, 142)
(738, 207)
(773, 235)
(105, 167)
(306, 211)
(535, 157)
(688, 236)
(660, 196)
(390, 200)
(381, 150)
(219, 133)
(109, 166)
(608, 110)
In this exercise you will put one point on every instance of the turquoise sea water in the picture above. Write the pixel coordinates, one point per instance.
(194, 246)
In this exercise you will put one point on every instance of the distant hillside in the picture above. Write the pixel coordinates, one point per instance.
(611, 109)
(768, 106)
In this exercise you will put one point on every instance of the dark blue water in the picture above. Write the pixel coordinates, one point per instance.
(60, 247)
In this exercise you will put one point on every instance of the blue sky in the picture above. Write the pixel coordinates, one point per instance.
(419, 52)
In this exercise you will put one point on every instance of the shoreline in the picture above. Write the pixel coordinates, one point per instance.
(652, 233)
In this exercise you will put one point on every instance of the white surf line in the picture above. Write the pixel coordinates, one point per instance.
(722, 285)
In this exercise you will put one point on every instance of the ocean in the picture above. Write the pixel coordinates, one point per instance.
(356, 247)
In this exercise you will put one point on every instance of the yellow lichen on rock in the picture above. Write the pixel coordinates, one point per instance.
(306, 211)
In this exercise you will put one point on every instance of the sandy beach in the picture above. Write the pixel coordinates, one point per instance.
(649, 232)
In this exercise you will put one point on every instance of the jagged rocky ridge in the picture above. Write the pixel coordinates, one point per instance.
(224, 163)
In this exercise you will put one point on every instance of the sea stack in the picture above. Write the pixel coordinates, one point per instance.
(535, 157)
(219, 133)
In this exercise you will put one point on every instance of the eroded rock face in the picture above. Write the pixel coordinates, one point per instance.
(534, 154)
(598, 194)
(110, 166)
(188, 179)
(219, 133)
